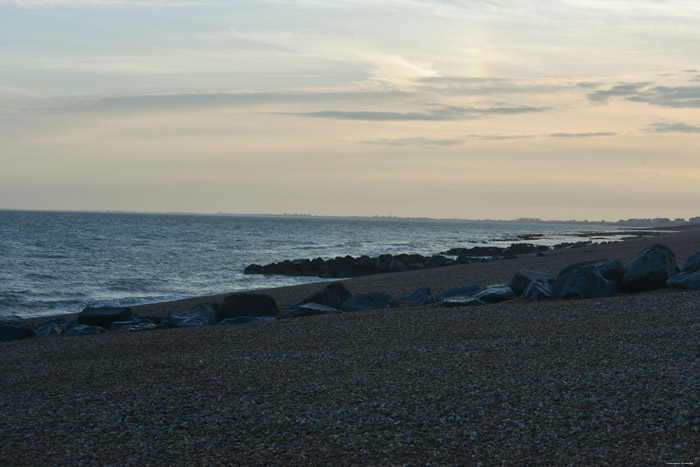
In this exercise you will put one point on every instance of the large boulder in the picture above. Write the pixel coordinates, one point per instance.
(692, 262)
(333, 295)
(53, 327)
(685, 280)
(650, 269)
(310, 309)
(421, 296)
(203, 314)
(583, 282)
(13, 328)
(612, 269)
(522, 279)
(75, 329)
(247, 304)
(136, 325)
(246, 320)
(367, 301)
(537, 291)
(495, 294)
(466, 291)
(104, 316)
(461, 300)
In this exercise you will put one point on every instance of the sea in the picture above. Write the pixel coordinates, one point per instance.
(53, 263)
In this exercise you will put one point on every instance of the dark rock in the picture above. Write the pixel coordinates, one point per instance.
(270, 269)
(692, 262)
(685, 280)
(289, 268)
(246, 320)
(520, 249)
(461, 300)
(650, 269)
(13, 328)
(612, 269)
(310, 309)
(253, 269)
(466, 291)
(398, 266)
(367, 301)
(75, 329)
(203, 314)
(495, 294)
(537, 291)
(54, 327)
(136, 325)
(583, 282)
(247, 304)
(435, 261)
(104, 316)
(420, 296)
(333, 295)
(522, 279)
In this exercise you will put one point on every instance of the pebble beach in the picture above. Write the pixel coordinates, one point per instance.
(605, 381)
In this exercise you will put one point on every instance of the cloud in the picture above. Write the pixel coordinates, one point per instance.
(583, 135)
(499, 137)
(106, 3)
(678, 127)
(691, 71)
(486, 86)
(663, 96)
(449, 113)
(416, 141)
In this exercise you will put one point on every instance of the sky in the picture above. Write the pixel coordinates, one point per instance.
(568, 109)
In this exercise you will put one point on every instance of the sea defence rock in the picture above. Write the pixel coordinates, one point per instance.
(692, 262)
(13, 328)
(466, 291)
(522, 279)
(246, 320)
(367, 301)
(612, 269)
(104, 316)
(421, 296)
(248, 305)
(310, 309)
(495, 294)
(650, 269)
(333, 295)
(200, 315)
(583, 282)
(461, 300)
(75, 329)
(54, 327)
(685, 280)
(537, 291)
(138, 324)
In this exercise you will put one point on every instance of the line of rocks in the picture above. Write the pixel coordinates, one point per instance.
(654, 267)
(350, 266)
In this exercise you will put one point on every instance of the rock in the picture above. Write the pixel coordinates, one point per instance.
(495, 294)
(612, 269)
(310, 309)
(420, 296)
(13, 328)
(136, 325)
(537, 291)
(341, 267)
(75, 329)
(397, 265)
(104, 316)
(253, 269)
(435, 261)
(466, 291)
(520, 249)
(692, 262)
(246, 320)
(461, 300)
(247, 304)
(367, 301)
(333, 295)
(583, 282)
(522, 279)
(203, 314)
(364, 266)
(685, 280)
(650, 269)
(54, 327)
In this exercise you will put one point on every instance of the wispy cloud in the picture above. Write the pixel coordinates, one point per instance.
(583, 135)
(499, 137)
(620, 90)
(449, 113)
(664, 96)
(416, 141)
(100, 3)
(677, 127)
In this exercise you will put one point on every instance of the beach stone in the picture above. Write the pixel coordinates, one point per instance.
(523, 278)
(53, 327)
(461, 300)
(104, 316)
(692, 262)
(466, 291)
(333, 295)
(495, 294)
(650, 269)
(13, 328)
(367, 301)
(75, 329)
(246, 320)
(537, 291)
(246, 304)
(310, 309)
(583, 282)
(685, 280)
(200, 315)
(421, 296)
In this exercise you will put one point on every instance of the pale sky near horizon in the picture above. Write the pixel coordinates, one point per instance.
(571, 109)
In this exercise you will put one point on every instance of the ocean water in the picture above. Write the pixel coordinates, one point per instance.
(60, 262)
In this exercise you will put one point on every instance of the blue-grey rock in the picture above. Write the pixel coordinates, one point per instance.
(522, 279)
(495, 294)
(583, 282)
(104, 316)
(685, 280)
(692, 262)
(466, 291)
(435, 261)
(247, 304)
(13, 328)
(650, 269)
(246, 320)
(537, 291)
(461, 300)
(612, 269)
(421, 296)
(75, 329)
(333, 295)
(139, 324)
(54, 327)
(310, 309)
(367, 301)
(200, 315)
